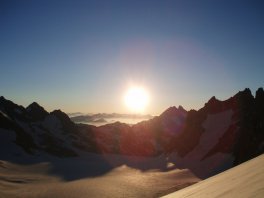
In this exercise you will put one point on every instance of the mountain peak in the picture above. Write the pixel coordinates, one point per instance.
(181, 108)
(246, 92)
(259, 92)
(3, 100)
(171, 111)
(67, 124)
(36, 111)
(212, 100)
(260, 98)
(9, 107)
(61, 115)
(33, 105)
(244, 95)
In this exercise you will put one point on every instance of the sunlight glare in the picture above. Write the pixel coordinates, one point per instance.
(136, 99)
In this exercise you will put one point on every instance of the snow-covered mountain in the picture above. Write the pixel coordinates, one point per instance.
(216, 137)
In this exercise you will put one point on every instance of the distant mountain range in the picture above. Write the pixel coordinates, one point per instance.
(220, 135)
(105, 117)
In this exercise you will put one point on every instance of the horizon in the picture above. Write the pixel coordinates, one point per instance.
(87, 56)
(134, 113)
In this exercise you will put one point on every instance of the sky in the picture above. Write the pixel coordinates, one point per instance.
(82, 56)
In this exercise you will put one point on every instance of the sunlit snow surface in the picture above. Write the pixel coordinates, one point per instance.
(90, 176)
(243, 181)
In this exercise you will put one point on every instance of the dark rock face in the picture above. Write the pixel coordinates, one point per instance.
(244, 138)
(36, 111)
(31, 133)
(13, 110)
(67, 125)
(191, 134)
(23, 139)
(251, 136)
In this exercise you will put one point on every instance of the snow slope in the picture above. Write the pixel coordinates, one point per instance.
(245, 180)
(73, 177)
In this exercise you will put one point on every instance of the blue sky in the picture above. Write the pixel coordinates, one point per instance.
(83, 55)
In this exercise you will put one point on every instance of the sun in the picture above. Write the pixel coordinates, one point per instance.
(136, 99)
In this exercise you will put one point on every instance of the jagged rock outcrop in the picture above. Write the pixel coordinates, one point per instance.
(34, 128)
(36, 111)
